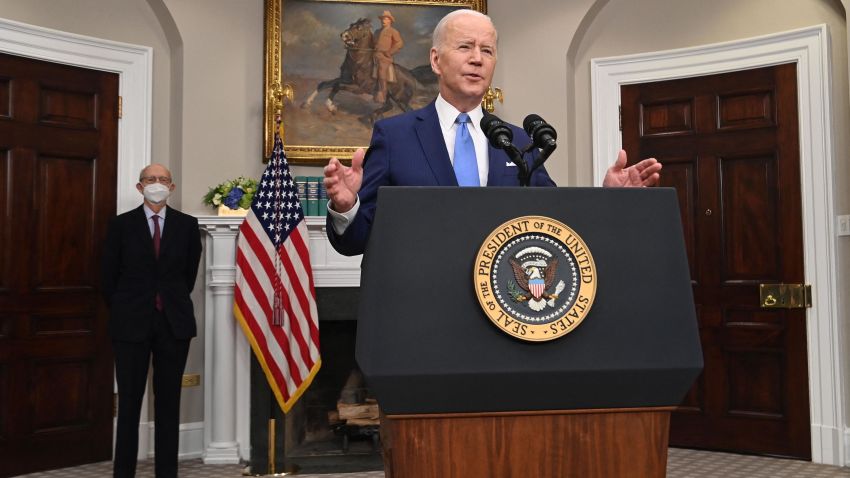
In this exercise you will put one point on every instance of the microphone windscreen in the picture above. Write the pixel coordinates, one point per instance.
(496, 131)
(539, 130)
(530, 121)
(488, 122)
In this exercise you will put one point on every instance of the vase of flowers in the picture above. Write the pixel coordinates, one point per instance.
(232, 198)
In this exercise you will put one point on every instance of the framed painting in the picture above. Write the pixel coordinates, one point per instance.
(322, 72)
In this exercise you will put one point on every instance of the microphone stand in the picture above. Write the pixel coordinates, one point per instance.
(544, 154)
(516, 155)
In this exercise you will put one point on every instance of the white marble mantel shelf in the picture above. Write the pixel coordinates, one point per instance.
(227, 354)
(330, 269)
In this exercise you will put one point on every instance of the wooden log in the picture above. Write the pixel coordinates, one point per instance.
(333, 417)
(362, 410)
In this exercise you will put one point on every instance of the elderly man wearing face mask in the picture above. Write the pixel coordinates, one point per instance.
(150, 261)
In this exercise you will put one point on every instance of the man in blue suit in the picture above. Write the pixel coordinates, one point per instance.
(431, 146)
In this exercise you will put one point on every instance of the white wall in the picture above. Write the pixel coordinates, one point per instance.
(222, 93)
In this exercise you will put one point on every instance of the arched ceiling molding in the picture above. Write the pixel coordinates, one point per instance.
(169, 26)
(175, 45)
(583, 26)
(586, 21)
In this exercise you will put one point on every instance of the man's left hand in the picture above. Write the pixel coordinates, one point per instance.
(644, 173)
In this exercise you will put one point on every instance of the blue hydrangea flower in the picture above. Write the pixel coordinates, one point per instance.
(233, 197)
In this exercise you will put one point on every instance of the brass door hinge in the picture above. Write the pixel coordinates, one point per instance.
(120, 106)
(785, 296)
(620, 113)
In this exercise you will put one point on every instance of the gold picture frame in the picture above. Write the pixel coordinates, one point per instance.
(316, 128)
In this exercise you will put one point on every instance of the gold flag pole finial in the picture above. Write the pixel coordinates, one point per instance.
(279, 94)
(493, 94)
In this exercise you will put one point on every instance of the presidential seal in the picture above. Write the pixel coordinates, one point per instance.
(535, 278)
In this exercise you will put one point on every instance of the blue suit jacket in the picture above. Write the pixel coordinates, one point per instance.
(409, 150)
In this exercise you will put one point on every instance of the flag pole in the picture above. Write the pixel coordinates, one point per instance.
(289, 469)
(271, 446)
(277, 241)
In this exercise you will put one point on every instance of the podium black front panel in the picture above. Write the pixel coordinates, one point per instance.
(426, 346)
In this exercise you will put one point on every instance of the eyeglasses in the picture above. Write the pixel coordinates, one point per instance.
(153, 179)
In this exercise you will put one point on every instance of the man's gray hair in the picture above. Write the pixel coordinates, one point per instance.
(440, 30)
(142, 172)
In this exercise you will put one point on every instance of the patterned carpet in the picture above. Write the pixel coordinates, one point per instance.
(681, 464)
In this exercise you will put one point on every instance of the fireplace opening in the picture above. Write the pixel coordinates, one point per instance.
(334, 426)
(339, 430)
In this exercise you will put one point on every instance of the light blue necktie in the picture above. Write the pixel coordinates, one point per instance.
(466, 166)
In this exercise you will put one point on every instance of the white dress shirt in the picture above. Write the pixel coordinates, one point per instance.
(149, 213)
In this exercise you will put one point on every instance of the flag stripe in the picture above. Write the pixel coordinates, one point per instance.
(258, 342)
(304, 253)
(272, 346)
(259, 290)
(285, 333)
(302, 303)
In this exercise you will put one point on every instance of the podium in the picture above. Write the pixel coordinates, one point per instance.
(462, 398)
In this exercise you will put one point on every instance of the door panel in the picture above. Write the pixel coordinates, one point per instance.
(57, 270)
(749, 219)
(680, 173)
(729, 146)
(58, 156)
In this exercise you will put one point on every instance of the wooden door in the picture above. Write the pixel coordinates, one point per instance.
(729, 145)
(58, 155)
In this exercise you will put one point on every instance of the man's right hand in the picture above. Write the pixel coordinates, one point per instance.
(342, 183)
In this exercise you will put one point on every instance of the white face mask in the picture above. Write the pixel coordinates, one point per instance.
(156, 193)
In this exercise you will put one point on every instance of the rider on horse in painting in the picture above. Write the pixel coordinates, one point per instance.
(388, 43)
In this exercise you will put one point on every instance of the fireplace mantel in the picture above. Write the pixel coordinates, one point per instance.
(226, 352)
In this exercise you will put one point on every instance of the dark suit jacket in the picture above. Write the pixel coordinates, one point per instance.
(132, 276)
(409, 150)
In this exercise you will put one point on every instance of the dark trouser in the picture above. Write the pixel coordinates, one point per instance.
(131, 372)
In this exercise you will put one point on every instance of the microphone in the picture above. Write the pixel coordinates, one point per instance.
(541, 132)
(497, 132)
(501, 137)
(542, 135)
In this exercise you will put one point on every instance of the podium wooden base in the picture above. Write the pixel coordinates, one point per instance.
(601, 443)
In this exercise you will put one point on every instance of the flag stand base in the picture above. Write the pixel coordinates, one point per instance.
(289, 469)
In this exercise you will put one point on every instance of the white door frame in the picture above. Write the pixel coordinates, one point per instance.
(809, 48)
(134, 66)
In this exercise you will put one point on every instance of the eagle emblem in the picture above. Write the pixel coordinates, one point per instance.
(535, 270)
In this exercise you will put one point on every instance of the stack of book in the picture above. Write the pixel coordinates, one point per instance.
(312, 194)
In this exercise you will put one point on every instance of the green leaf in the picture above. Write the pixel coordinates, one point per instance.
(245, 202)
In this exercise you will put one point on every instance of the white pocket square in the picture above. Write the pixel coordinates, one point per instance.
(510, 164)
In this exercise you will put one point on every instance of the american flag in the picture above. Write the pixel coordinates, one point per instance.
(275, 301)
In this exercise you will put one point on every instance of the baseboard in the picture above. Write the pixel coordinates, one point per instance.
(846, 457)
(827, 444)
(191, 440)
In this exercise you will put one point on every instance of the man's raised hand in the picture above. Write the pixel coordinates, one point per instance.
(342, 183)
(644, 173)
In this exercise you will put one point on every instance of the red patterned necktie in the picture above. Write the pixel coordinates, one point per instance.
(156, 238)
